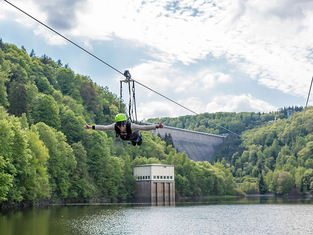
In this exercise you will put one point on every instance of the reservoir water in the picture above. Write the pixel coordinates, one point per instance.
(240, 216)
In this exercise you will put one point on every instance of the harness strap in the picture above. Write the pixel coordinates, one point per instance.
(129, 133)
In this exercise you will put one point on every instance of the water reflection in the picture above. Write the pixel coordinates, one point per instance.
(248, 215)
(249, 200)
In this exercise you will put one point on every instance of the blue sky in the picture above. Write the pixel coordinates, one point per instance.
(210, 56)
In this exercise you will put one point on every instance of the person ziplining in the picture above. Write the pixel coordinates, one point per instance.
(124, 129)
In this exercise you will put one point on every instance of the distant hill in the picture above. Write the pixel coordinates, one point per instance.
(275, 147)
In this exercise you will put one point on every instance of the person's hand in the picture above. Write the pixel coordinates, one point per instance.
(87, 126)
(160, 125)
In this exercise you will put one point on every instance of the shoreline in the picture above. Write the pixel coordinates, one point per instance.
(249, 198)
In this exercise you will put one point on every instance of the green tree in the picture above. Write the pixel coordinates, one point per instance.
(18, 155)
(46, 110)
(182, 185)
(72, 127)
(43, 85)
(307, 180)
(61, 162)
(65, 79)
(285, 183)
(271, 181)
(67, 82)
(82, 185)
(40, 156)
(3, 89)
(32, 53)
(90, 96)
(18, 99)
(17, 94)
(109, 177)
(128, 187)
(6, 178)
(262, 185)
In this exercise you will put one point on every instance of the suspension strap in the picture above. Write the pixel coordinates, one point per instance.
(121, 95)
(130, 103)
(134, 100)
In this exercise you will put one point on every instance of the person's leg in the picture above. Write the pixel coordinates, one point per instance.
(134, 138)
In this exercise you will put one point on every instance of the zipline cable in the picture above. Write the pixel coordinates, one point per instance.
(112, 66)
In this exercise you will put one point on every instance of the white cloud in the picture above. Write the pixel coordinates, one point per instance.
(50, 37)
(193, 105)
(165, 78)
(189, 106)
(203, 80)
(273, 43)
(10, 12)
(156, 109)
(211, 79)
(241, 103)
(154, 74)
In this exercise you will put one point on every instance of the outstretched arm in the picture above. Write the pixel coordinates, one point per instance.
(100, 127)
(136, 127)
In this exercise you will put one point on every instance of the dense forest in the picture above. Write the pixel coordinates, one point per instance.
(222, 122)
(47, 155)
(266, 153)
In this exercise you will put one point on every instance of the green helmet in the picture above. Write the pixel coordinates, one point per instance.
(120, 117)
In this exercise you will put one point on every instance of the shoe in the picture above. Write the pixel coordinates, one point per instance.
(133, 143)
(139, 142)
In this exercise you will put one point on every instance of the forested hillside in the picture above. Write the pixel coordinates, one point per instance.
(219, 123)
(279, 153)
(274, 153)
(46, 154)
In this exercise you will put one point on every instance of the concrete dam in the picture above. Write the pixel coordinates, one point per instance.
(199, 146)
